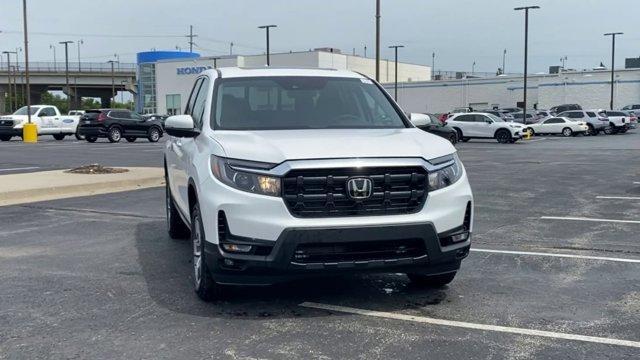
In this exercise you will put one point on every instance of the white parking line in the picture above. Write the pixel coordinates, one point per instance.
(637, 182)
(586, 257)
(474, 326)
(589, 219)
(21, 168)
(619, 197)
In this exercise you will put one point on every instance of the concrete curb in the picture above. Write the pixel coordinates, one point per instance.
(52, 185)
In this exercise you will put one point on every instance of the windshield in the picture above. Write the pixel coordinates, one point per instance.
(288, 102)
(495, 118)
(23, 110)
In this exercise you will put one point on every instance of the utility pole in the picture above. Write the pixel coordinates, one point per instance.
(267, 27)
(66, 70)
(526, 49)
(54, 57)
(473, 68)
(231, 48)
(378, 40)
(365, 51)
(613, 62)
(395, 48)
(504, 57)
(191, 36)
(113, 83)
(29, 131)
(79, 43)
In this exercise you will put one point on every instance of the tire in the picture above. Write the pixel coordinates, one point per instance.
(131, 138)
(154, 134)
(176, 228)
(5, 137)
(591, 131)
(78, 136)
(566, 132)
(459, 133)
(503, 136)
(91, 139)
(59, 137)
(203, 282)
(115, 134)
(433, 281)
(623, 130)
(453, 139)
(610, 130)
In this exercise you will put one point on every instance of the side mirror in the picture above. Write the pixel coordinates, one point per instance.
(181, 126)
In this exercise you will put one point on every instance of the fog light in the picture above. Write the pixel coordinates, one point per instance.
(236, 248)
(460, 237)
(229, 262)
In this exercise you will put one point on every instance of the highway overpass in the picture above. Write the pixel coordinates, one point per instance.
(85, 80)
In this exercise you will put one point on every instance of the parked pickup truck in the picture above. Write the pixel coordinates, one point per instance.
(47, 118)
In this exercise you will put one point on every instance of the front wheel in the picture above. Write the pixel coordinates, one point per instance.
(59, 137)
(503, 136)
(453, 138)
(566, 132)
(591, 131)
(203, 282)
(433, 281)
(609, 130)
(154, 134)
(78, 136)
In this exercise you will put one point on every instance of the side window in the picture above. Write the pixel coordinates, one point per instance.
(135, 116)
(465, 118)
(480, 118)
(119, 114)
(198, 106)
(192, 97)
(591, 114)
(48, 111)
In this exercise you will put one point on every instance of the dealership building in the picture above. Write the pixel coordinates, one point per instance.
(589, 88)
(165, 78)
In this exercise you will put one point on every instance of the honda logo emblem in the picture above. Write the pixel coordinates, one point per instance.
(359, 188)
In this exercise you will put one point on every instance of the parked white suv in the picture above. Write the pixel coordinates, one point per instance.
(485, 126)
(619, 122)
(279, 174)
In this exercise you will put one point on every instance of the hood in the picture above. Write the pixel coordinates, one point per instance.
(276, 146)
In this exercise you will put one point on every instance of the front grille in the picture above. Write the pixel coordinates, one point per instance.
(323, 192)
(358, 251)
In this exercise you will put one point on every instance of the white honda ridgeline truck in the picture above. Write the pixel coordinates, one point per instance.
(279, 174)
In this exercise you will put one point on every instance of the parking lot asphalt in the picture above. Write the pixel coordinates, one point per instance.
(555, 249)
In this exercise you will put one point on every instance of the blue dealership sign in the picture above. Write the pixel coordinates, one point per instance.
(192, 70)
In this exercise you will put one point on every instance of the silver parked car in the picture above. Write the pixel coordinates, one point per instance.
(595, 122)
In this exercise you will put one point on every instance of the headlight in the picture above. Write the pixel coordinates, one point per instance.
(223, 169)
(446, 176)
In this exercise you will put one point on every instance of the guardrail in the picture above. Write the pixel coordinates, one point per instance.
(73, 67)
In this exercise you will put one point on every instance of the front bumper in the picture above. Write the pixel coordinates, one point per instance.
(9, 130)
(283, 264)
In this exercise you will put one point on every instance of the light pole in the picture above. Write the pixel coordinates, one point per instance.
(378, 40)
(231, 48)
(473, 68)
(22, 85)
(11, 97)
(66, 70)
(613, 61)
(564, 60)
(51, 46)
(433, 65)
(267, 27)
(79, 43)
(113, 83)
(29, 130)
(395, 92)
(526, 49)
(504, 57)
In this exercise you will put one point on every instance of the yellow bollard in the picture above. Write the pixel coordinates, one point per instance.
(30, 133)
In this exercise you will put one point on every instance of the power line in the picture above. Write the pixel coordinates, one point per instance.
(191, 36)
(97, 35)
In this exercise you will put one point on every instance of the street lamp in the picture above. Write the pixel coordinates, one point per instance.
(564, 60)
(473, 68)
(51, 46)
(66, 70)
(11, 97)
(80, 42)
(433, 65)
(504, 57)
(29, 130)
(113, 83)
(395, 48)
(613, 59)
(526, 49)
(267, 27)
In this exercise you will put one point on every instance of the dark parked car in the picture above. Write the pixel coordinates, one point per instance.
(564, 107)
(431, 124)
(115, 124)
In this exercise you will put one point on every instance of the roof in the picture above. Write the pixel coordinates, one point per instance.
(235, 72)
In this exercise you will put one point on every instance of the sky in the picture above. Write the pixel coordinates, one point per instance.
(460, 32)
